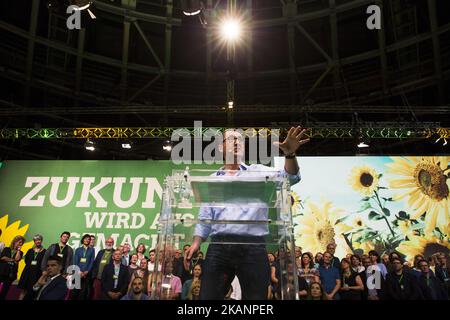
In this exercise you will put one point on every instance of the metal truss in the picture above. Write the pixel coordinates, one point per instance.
(372, 131)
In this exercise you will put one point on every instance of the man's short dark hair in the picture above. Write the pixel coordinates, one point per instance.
(65, 232)
(57, 259)
(397, 259)
(420, 262)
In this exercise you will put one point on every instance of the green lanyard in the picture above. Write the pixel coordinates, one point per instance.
(428, 281)
(61, 249)
(13, 254)
(400, 280)
(35, 254)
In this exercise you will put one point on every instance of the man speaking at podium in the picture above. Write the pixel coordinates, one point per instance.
(228, 254)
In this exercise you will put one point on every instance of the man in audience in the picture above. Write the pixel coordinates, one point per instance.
(114, 281)
(137, 286)
(443, 271)
(102, 259)
(51, 285)
(62, 250)
(84, 259)
(331, 249)
(401, 285)
(432, 288)
(178, 263)
(171, 283)
(126, 254)
(330, 278)
(2, 244)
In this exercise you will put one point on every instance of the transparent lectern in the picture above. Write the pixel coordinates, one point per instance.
(240, 202)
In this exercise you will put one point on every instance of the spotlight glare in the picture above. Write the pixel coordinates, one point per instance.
(231, 29)
(230, 104)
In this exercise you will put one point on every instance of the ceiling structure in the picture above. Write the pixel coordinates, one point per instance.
(142, 63)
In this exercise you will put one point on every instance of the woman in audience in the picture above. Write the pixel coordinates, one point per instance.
(9, 264)
(318, 260)
(307, 270)
(356, 264)
(316, 292)
(140, 251)
(188, 285)
(141, 272)
(32, 271)
(133, 265)
(351, 283)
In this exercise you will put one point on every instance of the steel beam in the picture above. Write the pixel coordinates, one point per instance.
(436, 48)
(290, 10)
(30, 51)
(149, 46)
(79, 68)
(168, 52)
(383, 56)
(125, 51)
(335, 50)
(193, 74)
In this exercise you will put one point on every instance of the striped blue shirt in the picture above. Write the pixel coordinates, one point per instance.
(247, 211)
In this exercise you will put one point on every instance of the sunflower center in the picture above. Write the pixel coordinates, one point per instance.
(366, 179)
(432, 248)
(325, 235)
(431, 180)
(359, 223)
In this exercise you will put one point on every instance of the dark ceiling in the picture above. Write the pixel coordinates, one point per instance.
(143, 63)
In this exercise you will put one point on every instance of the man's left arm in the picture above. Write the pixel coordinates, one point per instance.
(290, 146)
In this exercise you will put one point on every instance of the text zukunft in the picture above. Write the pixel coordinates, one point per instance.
(91, 188)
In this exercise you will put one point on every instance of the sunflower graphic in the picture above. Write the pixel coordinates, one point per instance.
(425, 186)
(365, 246)
(405, 228)
(295, 202)
(364, 180)
(357, 222)
(320, 226)
(426, 246)
(8, 234)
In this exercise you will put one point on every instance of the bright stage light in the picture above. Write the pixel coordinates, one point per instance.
(362, 144)
(230, 29)
(230, 104)
(89, 145)
(126, 145)
(191, 7)
(167, 146)
(84, 5)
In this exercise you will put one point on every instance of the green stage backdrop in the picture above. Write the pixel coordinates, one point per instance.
(105, 198)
